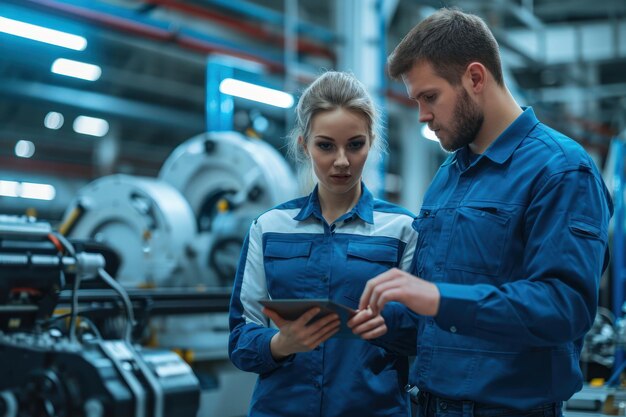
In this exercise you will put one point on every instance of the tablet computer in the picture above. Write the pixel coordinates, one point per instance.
(292, 308)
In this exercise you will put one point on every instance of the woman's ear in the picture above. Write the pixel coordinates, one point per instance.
(302, 143)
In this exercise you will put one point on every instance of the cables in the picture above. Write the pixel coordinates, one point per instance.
(74, 310)
(87, 265)
(130, 316)
(83, 318)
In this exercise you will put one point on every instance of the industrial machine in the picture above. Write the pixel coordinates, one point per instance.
(187, 227)
(177, 240)
(61, 366)
(228, 180)
(145, 221)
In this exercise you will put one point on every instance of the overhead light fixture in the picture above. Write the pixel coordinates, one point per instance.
(429, 134)
(27, 190)
(255, 92)
(24, 149)
(91, 126)
(9, 188)
(42, 34)
(53, 120)
(76, 69)
(37, 191)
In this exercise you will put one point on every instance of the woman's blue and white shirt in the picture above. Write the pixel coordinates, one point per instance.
(291, 252)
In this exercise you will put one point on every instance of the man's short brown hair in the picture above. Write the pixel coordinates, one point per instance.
(449, 40)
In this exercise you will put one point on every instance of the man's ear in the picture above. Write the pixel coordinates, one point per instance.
(302, 142)
(476, 76)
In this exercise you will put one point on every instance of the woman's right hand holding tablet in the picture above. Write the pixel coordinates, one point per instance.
(300, 335)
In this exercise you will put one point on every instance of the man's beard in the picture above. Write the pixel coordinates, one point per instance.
(468, 119)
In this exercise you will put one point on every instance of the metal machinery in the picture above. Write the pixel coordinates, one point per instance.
(228, 180)
(185, 230)
(145, 221)
(187, 227)
(51, 368)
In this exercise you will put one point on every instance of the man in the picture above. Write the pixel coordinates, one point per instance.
(512, 236)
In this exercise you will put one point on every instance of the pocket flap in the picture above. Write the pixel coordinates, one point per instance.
(373, 252)
(585, 228)
(275, 249)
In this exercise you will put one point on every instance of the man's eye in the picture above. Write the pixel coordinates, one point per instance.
(430, 97)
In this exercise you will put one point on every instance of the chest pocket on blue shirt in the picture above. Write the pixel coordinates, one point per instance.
(366, 260)
(285, 266)
(479, 237)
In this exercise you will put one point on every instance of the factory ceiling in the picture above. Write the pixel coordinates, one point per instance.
(565, 57)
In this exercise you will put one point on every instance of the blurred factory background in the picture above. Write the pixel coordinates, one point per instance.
(155, 128)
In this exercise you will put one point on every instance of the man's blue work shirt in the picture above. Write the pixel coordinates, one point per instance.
(291, 252)
(516, 241)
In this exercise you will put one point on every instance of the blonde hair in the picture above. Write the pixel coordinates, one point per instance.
(332, 90)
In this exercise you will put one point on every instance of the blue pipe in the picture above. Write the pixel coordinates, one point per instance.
(267, 15)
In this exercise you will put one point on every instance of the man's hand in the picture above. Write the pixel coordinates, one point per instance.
(367, 325)
(396, 285)
(298, 336)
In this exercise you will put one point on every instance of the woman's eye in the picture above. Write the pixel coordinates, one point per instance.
(325, 146)
(356, 144)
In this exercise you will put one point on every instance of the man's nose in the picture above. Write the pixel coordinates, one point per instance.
(425, 116)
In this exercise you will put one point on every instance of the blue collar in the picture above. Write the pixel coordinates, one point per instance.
(503, 147)
(364, 208)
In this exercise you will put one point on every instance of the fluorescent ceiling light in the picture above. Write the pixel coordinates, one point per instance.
(76, 69)
(9, 188)
(256, 93)
(91, 126)
(37, 191)
(24, 149)
(429, 134)
(42, 34)
(27, 190)
(53, 120)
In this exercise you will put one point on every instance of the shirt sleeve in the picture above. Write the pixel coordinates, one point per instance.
(566, 250)
(401, 336)
(250, 334)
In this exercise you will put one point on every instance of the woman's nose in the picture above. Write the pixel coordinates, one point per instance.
(341, 159)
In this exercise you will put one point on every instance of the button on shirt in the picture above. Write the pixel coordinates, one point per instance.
(291, 252)
(516, 241)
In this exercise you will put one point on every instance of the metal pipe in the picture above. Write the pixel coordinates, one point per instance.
(139, 25)
(264, 14)
(253, 30)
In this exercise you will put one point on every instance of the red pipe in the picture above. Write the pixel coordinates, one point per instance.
(61, 169)
(151, 32)
(255, 31)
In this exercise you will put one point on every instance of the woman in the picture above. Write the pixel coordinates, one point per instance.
(326, 245)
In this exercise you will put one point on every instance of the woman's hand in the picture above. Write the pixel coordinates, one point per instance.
(367, 325)
(298, 335)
